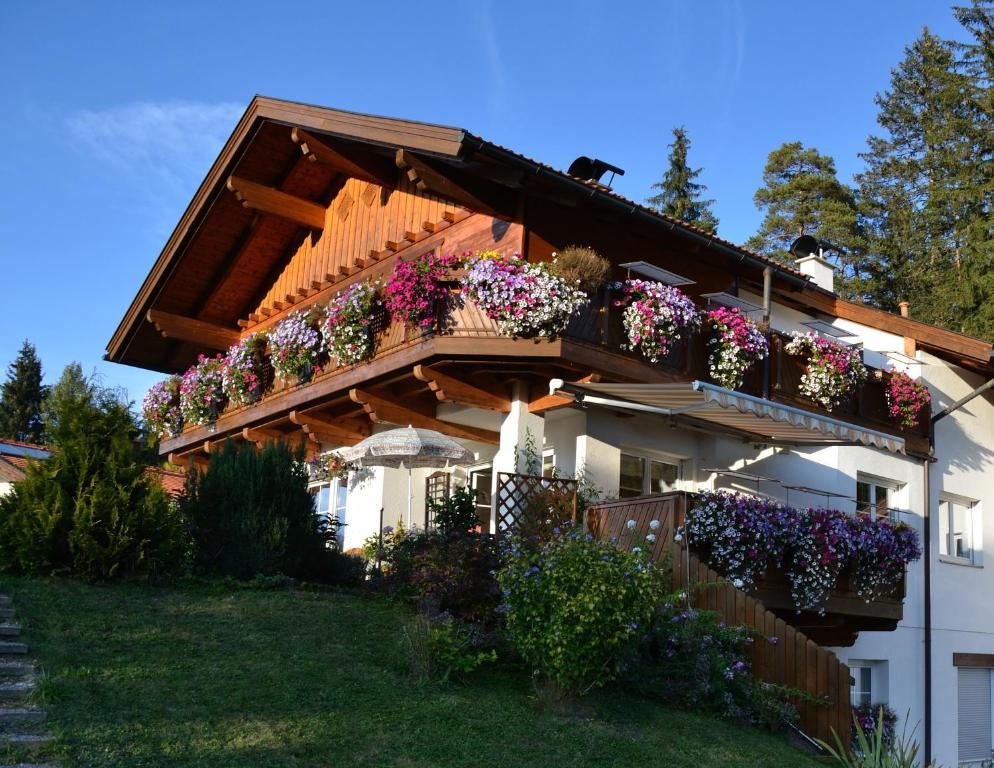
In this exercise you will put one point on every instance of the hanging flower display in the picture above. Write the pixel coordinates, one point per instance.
(201, 392)
(655, 317)
(742, 536)
(735, 344)
(416, 286)
(160, 409)
(347, 326)
(245, 370)
(295, 346)
(330, 466)
(834, 371)
(906, 399)
(525, 299)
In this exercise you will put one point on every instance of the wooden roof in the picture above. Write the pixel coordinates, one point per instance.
(226, 251)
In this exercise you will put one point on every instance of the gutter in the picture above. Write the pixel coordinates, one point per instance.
(622, 206)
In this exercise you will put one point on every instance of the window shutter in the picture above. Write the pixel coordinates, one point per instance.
(974, 714)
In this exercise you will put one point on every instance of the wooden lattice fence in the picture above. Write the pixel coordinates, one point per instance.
(532, 502)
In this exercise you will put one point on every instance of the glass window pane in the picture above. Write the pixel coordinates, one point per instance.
(548, 465)
(341, 501)
(321, 500)
(632, 481)
(663, 477)
(944, 527)
(961, 530)
(881, 500)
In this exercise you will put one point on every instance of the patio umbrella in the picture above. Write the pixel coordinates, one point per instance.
(407, 447)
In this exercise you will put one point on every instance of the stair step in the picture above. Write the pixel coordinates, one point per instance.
(5, 601)
(29, 765)
(25, 741)
(10, 630)
(8, 647)
(15, 669)
(16, 690)
(10, 715)
(6, 613)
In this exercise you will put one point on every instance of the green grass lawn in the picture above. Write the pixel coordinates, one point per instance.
(140, 676)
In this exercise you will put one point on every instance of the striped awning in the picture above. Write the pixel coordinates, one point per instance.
(733, 412)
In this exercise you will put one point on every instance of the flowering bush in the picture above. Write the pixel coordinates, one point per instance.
(656, 316)
(415, 287)
(295, 346)
(866, 717)
(201, 392)
(525, 299)
(347, 326)
(690, 658)
(740, 536)
(329, 466)
(245, 370)
(834, 371)
(161, 410)
(734, 345)
(906, 399)
(576, 606)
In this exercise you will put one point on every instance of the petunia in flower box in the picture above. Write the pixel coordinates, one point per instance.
(906, 399)
(161, 409)
(834, 371)
(295, 346)
(735, 344)
(246, 370)
(201, 391)
(415, 288)
(347, 326)
(656, 316)
(526, 300)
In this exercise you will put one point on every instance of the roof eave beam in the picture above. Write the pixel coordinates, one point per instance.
(275, 202)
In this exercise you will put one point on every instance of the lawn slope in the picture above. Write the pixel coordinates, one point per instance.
(204, 677)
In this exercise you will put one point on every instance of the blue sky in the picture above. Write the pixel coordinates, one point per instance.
(112, 112)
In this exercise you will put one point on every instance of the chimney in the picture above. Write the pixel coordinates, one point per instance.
(821, 271)
(905, 307)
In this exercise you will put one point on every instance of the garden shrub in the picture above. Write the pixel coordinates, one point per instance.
(90, 510)
(690, 658)
(576, 606)
(455, 574)
(436, 649)
(250, 513)
(582, 266)
(456, 513)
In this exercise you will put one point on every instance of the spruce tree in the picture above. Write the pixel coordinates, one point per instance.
(679, 194)
(21, 398)
(920, 184)
(801, 195)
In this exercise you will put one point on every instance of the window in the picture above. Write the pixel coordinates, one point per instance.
(642, 475)
(330, 501)
(861, 690)
(436, 489)
(480, 480)
(974, 721)
(548, 464)
(958, 528)
(875, 496)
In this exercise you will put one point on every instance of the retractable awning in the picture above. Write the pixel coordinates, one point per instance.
(728, 411)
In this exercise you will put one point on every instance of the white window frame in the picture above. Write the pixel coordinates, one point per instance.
(855, 691)
(879, 684)
(334, 486)
(895, 507)
(548, 462)
(676, 461)
(975, 509)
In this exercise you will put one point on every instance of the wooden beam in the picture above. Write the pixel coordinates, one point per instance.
(195, 331)
(259, 435)
(428, 176)
(363, 166)
(345, 431)
(269, 200)
(188, 460)
(450, 390)
(381, 409)
(549, 402)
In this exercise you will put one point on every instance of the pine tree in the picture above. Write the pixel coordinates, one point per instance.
(920, 184)
(679, 194)
(801, 195)
(21, 398)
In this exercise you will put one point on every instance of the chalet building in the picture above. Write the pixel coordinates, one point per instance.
(304, 201)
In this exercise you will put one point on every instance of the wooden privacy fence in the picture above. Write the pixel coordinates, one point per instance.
(782, 655)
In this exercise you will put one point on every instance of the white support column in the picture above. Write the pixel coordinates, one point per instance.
(600, 463)
(515, 429)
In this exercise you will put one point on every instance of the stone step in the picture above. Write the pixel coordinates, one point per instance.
(20, 689)
(25, 742)
(9, 630)
(18, 715)
(5, 601)
(11, 670)
(6, 613)
(29, 765)
(11, 647)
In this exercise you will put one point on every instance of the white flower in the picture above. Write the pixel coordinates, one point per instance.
(636, 550)
(737, 583)
(651, 537)
(654, 525)
(630, 525)
(678, 537)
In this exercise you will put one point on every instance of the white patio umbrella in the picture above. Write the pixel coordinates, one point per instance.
(408, 447)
